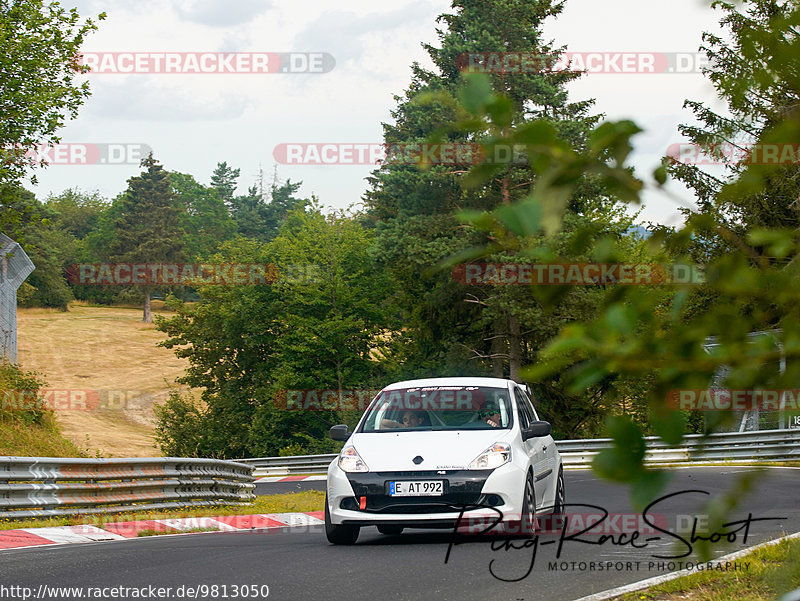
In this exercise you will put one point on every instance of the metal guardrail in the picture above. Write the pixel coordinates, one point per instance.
(298, 464)
(46, 486)
(766, 445)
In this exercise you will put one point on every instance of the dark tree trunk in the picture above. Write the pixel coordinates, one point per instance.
(147, 318)
(498, 348)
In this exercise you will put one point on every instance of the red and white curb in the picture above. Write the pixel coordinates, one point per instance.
(66, 535)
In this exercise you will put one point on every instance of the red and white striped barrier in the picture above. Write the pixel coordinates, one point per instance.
(66, 535)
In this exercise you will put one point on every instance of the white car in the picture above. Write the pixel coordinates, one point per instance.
(427, 450)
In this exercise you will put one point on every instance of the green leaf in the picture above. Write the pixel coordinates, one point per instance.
(524, 218)
(585, 376)
(669, 424)
(476, 93)
(501, 110)
(660, 175)
(627, 436)
(648, 487)
(620, 319)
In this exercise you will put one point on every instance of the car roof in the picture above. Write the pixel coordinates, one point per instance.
(462, 381)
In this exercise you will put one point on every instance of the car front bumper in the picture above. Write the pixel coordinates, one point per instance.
(362, 499)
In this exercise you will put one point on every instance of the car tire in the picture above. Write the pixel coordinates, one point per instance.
(339, 534)
(390, 529)
(561, 494)
(527, 523)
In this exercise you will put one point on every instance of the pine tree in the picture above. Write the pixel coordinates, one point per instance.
(148, 226)
(742, 68)
(260, 220)
(414, 209)
(224, 181)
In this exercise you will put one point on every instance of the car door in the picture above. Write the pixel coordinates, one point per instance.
(534, 447)
(549, 472)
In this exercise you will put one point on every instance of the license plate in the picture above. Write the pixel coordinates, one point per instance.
(417, 488)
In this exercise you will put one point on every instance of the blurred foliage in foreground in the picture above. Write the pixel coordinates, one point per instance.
(750, 267)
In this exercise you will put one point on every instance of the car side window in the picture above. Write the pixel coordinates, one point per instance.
(524, 413)
(527, 401)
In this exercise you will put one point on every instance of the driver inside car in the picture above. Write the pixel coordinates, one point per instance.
(412, 419)
(409, 419)
(490, 413)
(492, 418)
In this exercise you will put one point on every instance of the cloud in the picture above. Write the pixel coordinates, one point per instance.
(219, 13)
(148, 100)
(342, 33)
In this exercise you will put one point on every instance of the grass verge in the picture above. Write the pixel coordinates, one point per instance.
(112, 356)
(772, 571)
(34, 440)
(309, 500)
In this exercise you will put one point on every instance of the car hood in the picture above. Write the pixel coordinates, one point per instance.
(395, 451)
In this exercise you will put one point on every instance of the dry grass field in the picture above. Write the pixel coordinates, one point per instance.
(106, 354)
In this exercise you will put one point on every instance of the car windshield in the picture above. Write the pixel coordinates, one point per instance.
(438, 408)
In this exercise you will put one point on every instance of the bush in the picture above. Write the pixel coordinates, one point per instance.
(20, 398)
(224, 429)
(179, 427)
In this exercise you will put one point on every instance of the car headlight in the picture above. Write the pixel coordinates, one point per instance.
(495, 456)
(350, 461)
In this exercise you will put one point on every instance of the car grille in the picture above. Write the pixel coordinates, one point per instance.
(444, 504)
(461, 487)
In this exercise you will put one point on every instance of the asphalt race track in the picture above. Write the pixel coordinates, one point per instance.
(298, 564)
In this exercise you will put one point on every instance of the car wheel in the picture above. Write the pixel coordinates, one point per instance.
(561, 495)
(390, 529)
(528, 521)
(339, 534)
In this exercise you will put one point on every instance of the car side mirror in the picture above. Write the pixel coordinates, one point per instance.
(536, 430)
(340, 432)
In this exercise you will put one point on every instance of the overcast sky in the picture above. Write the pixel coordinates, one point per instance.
(194, 121)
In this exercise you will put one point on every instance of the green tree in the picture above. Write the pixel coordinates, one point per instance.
(636, 333)
(207, 220)
(223, 180)
(452, 329)
(40, 46)
(751, 66)
(316, 327)
(741, 69)
(77, 212)
(258, 219)
(283, 201)
(148, 227)
(49, 247)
